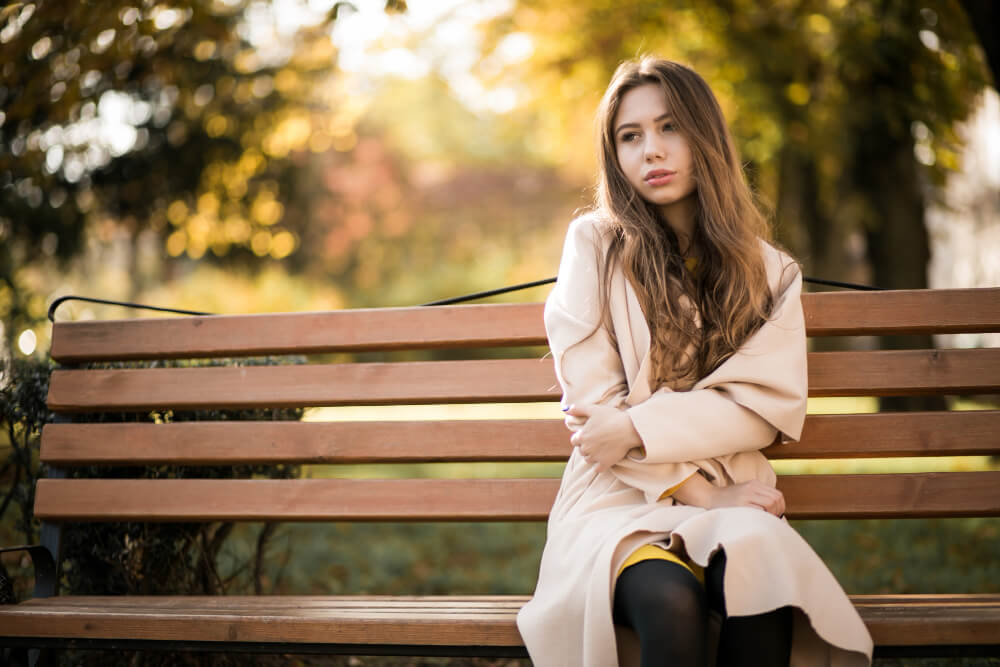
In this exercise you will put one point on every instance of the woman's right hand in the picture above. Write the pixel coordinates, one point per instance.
(747, 494)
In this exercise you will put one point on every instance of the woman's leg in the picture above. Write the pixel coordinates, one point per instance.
(763, 640)
(665, 604)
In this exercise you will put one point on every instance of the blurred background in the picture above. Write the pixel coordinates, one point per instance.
(236, 156)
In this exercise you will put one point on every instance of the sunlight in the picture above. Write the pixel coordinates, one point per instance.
(438, 36)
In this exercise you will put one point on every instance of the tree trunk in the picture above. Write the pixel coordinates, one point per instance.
(810, 232)
(984, 17)
(898, 242)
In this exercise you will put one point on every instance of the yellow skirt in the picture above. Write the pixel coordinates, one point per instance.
(656, 552)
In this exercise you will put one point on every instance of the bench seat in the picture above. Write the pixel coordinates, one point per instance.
(384, 624)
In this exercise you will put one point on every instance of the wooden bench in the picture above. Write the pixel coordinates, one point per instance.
(460, 625)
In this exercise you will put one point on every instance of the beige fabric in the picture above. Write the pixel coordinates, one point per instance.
(716, 427)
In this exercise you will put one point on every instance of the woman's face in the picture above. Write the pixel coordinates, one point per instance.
(654, 157)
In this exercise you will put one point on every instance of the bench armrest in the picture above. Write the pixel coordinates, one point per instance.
(45, 568)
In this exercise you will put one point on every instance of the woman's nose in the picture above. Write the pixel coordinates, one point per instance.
(654, 150)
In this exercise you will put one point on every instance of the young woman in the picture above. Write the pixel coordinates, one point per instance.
(677, 332)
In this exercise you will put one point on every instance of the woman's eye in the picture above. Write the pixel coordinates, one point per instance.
(629, 136)
(669, 127)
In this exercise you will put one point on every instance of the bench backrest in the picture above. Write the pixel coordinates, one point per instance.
(465, 331)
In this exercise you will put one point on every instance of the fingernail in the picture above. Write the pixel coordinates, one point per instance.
(565, 408)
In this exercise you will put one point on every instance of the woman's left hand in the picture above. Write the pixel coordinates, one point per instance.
(607, 434)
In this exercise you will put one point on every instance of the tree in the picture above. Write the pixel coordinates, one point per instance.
(815, 90)
(144, 118)
(843, 111)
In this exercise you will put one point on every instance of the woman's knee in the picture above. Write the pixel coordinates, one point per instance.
(660, 589)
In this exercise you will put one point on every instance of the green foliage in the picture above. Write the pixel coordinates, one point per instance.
(135, 116)
(411, 559)
(24, 385)
(842, 110)
(909, 555)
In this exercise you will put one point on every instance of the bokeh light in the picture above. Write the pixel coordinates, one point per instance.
(27, 342)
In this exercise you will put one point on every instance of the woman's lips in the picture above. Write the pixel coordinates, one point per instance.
(660, 177)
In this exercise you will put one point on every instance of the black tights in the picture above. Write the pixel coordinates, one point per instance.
(668, 609)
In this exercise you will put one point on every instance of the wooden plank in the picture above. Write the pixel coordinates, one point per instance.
(893, 495)
(228, 443)
(295, 500)
(877, 373)
(961, 433)
(896, 495)
(856, 313)
(894, 620)
(261, 621)
(495, 380)
(927, 599)
(964, 433)
(477, 325)
(373, 604)
(904, 372)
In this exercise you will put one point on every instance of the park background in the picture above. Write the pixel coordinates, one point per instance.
(229, 156)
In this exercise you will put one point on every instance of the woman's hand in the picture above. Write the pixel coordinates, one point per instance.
(699, 492)
(606, 436)
(748, 494)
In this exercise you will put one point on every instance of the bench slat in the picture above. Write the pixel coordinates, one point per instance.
(807, 496)
(208, 443)
(904, 372)
(896, 495)
(878, 373)
(295, 500)
(937, 311)
(227, 443)
(921, 620)
(504, 380)
(827, 314)
(437, 327)
(959, 433)
(382, 622)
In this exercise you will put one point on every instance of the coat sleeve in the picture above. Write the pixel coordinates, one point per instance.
(587, 363)
(589, 367)
(757, 393)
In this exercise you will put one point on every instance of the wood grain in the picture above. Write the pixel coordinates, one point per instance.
(878, 373)
(238, 442)
(904, 372)
(505, 380)
(894, 620)
(855, 313)
(888, 434)
(368, 329)
(477, 325)
(892, 495)
(895, 495)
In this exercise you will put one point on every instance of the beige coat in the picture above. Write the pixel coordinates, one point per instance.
(717, 427)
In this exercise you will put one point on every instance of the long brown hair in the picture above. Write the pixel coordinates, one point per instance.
(730, 289)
